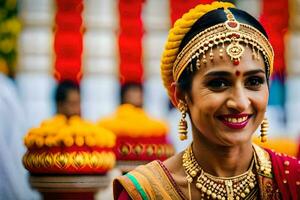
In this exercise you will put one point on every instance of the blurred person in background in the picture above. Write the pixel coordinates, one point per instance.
(14, 183)
(132, 93)
(67, 98)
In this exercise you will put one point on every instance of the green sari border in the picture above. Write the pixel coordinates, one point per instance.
(138, 186)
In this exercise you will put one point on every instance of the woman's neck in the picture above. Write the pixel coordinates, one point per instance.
(223, 161)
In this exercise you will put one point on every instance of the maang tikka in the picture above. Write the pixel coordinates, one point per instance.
(182, 127)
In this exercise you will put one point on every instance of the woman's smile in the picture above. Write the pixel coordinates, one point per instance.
(235, 121)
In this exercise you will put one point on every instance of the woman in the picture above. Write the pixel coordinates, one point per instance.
(216, 68)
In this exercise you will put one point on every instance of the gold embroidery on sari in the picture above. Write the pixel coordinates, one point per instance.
(159, 181)
(267, 186)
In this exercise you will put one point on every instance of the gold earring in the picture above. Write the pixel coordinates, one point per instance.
(264, 130)
(182, 128)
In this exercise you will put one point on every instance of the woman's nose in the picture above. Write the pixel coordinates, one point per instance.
(238, 100)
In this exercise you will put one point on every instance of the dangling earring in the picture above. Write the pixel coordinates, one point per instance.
(182, 128)
(264, 130)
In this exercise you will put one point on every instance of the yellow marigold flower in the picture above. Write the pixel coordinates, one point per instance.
(36, 131)
(68, 141)
(131, 121)
(59, 131)
(74, 120)
(79, 141)
(39, 141)
(90, 141)
(50, 141)
(64, 131)
(29, 141)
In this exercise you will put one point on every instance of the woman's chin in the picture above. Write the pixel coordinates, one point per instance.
(235, 139)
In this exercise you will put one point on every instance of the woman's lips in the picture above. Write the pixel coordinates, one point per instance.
(235, 121)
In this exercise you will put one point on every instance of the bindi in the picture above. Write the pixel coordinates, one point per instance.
(237, 73)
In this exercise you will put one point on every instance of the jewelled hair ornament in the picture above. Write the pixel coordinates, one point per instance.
(234, 50)
(233, 34)
(174, 61)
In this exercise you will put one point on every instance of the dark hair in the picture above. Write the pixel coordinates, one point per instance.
(63, 88)
(208, 20)
(127, 86)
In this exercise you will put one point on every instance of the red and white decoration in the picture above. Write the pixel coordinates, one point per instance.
(104, 43)
(68, 39)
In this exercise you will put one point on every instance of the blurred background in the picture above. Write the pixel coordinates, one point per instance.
(104, 44)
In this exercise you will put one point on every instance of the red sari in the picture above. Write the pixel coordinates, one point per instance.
(286, 170)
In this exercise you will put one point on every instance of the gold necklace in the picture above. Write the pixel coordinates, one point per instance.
(237, 187)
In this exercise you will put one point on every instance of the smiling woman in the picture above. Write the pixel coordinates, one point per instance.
(223, 105)
(216, 68)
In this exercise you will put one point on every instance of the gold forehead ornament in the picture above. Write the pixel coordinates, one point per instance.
(231, 32)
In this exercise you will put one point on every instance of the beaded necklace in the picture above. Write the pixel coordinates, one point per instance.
(237, 187)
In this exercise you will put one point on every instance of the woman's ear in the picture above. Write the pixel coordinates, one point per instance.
(177, 94)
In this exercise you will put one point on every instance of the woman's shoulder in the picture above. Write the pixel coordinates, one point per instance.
(286, 172)
(280, 161)
(283, 159)
(152, 180)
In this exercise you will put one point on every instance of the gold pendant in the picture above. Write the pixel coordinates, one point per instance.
(229, 189)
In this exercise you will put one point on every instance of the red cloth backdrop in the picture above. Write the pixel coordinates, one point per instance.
(130, 40)
(275, 17)
(68, 40)
(179, 7)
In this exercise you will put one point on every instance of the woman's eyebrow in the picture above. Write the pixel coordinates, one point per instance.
(252, 72)
(218, 73)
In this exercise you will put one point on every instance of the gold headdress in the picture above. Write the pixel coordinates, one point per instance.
(231, 32)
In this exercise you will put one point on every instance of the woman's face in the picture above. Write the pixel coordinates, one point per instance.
(227, 102)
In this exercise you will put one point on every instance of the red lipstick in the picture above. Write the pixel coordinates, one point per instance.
(235, 121)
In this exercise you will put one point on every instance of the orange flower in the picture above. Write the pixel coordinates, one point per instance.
(60, 131)
(131, 121)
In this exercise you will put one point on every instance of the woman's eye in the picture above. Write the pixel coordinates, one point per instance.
(254, 82)
(218, 84)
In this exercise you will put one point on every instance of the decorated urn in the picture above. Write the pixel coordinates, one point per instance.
(140, 138)
(69, 146)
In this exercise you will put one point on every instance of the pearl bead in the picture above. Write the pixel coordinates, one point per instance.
(208, 192)
(262, 168)
(286, 163)
(284, 181)
(247, 190)
(193, 173)
(251, 185)
(213, 195)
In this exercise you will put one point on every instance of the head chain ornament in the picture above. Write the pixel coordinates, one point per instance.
(232, 32)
